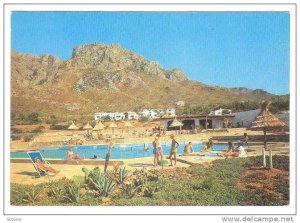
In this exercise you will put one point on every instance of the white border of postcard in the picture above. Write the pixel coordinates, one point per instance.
(200, 210)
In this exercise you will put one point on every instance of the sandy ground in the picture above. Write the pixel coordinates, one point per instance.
(24, 173)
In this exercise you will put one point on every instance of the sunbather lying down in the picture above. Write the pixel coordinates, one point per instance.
(43, 166)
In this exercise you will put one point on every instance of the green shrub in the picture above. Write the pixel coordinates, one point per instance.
(38, 129)
(73, 193)
(130, 190)
(15, 137)
(56, 189)
(58, 127)
(16, 131)
(31, 195)
(33, 118)
(27, 137)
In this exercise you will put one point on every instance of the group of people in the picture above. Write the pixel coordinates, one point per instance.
(158, 152)
(238, 151)
(233, 152)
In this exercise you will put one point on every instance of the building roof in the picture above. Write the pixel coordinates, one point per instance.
(200, 116)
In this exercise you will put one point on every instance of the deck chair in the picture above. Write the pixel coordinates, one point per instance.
(33, 155)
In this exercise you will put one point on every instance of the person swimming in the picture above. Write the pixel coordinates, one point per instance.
(188, 148)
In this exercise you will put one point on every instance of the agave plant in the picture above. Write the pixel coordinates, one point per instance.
(97, 181)
(32, 196)
(130, 190)
(73, 193)
(56, 189)
(107, 187)
(122, 175)
(102, 184)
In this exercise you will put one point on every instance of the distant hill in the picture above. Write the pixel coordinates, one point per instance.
(107, 78)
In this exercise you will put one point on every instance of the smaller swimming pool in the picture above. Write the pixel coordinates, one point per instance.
(119, 151)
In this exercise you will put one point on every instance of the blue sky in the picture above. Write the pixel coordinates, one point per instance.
(227, 49)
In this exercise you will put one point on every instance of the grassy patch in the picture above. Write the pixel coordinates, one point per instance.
(225, 182)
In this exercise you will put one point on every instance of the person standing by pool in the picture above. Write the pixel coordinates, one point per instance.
(245, 139)
(174, 146)
(159, 152)
(155, 156)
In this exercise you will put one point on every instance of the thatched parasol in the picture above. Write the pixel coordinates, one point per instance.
(176, 123)
(73, 127)
(98, 127)
(128, 125)
(266, 121)
(87, 127)
(112, 126)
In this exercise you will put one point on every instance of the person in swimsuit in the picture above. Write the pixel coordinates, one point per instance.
(174, 146)
(154, 152)
(43, 166)
(188, 148)
(159, 151)
(71, 155)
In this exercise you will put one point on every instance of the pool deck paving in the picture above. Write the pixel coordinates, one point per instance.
(24, 173)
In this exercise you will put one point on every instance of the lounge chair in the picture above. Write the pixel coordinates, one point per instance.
(37, 154)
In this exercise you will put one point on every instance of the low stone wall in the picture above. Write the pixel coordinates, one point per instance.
(72, 162)
(255, 138)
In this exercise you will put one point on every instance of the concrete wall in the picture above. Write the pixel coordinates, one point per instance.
(217, 123)
(244, 118)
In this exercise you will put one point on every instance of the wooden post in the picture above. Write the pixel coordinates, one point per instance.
(265, 147)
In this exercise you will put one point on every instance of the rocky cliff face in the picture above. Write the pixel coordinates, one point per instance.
(99, 77)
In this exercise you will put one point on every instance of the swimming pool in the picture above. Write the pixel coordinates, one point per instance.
(119, 151)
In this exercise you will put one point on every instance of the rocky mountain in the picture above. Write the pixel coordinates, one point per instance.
(107, 78)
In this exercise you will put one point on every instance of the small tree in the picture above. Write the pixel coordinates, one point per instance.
(33, 118)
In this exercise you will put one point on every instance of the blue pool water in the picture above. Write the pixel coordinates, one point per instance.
(119, 151)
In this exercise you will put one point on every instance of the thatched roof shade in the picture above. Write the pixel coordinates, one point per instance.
(266, 119)
(112, 125)
(87, 126)
(73, 126)
(176, 123)
(99, 126)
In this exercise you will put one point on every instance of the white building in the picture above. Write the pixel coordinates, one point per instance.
(180, 103)
(171, 112)
(221, 111)
(111, 115)
(131, 115)
(149, 113)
